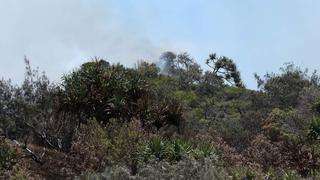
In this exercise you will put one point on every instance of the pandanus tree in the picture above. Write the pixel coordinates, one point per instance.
(103, 91)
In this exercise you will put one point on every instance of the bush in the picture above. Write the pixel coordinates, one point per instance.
(284, 125)
(114, 144)
(284, 88)
(314, 130)
(8, 155)
(187, 168)
(174, 150)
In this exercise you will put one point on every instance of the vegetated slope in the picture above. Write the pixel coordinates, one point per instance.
(178, 122)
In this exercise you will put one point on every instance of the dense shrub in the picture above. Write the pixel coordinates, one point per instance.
(314, 130)
(285, 88)
(185, 169)
(281, 124)
(175, 150)
(30, 110)
(266, 153)
(8, 156)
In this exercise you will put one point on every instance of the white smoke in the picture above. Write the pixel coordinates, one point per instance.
(58, 35)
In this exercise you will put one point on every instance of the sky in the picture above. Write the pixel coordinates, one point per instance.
(58, 35)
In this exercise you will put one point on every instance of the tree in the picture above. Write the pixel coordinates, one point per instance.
(210, 84)
(284, 89)
(168, 58)
(183, 67)
(148, 70)
(103, 91)
(224, 68)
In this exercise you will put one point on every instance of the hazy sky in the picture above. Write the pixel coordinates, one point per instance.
(58, 35)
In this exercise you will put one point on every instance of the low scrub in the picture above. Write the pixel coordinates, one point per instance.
(174, 150)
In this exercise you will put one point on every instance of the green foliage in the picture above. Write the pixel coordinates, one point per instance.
(225, 68)
(187, 98)
(290, 176)
(103, 91)
(185, 169)
(234, 92)
(203, 151)
(174, 150)
(164, 85)
(107, 114)
(30, 110)
(8, 156)
(285, 88)
(18, 176)
(282, 124)
(156, 148)
(183, 68)
(125, 141)
(314, 129)
(316, 107)
(115, 143)
(239, 173)
(147, 70)
(210, 84)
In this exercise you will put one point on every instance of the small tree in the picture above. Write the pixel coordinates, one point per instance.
(225, 68)
(284, 88)
(103, 91)
(183, 67)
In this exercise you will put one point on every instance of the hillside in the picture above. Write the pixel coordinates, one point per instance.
(176, 121)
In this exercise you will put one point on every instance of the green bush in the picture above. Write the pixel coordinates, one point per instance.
(174, 150)
(186, 97)
(314, 129)
(290, 175)
(8, 156)
(203, 151)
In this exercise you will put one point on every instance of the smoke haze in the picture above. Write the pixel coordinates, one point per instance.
(59, 35)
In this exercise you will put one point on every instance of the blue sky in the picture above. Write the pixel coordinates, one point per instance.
(260, 35)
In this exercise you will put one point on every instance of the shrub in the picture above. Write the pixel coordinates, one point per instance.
(314, 129)
(8, 155)
(30, 103)
(243, 172)
(148, 70)
(187, 168)
(262, 151)
(204, 151)
(186, 97)
(284, 125)
(284, 88)
(290, 175)
(174, 150)
(116, 143)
